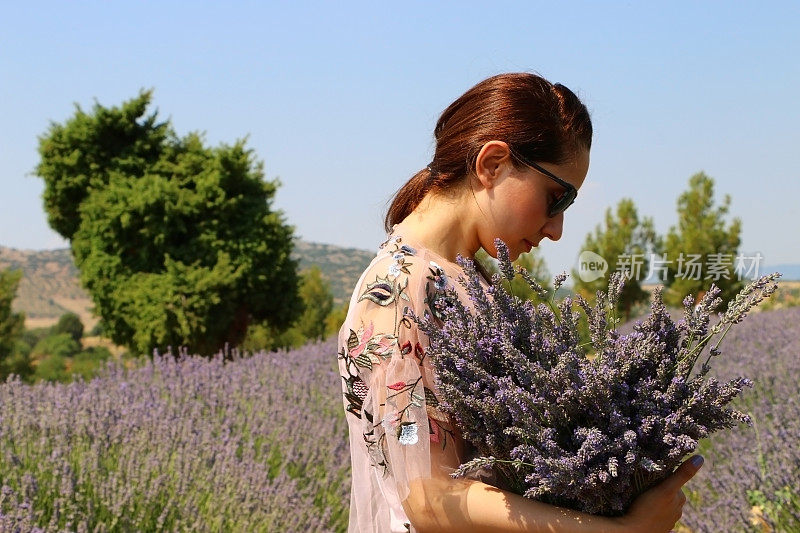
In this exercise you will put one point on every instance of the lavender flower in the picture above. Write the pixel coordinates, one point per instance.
(586, 427)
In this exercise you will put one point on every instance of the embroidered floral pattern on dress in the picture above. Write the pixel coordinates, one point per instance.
(435, 294)
(366, 347)
(408, 433)
(388, 383)
(439, 277)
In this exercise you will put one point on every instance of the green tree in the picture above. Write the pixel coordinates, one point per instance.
(87, 362)
(702, 249)
(71, 324)
(52, 368)
(625, 242)
(313, 324)
(177, 242)
(11, 324)
(59, 344)
(317, 304)
(19, 362)
(334, 321)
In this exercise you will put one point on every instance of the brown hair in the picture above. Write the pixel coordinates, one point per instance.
(539, 120)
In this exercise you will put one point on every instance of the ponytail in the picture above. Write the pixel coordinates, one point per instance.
(408, 197)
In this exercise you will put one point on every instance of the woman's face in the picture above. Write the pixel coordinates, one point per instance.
(519, 202)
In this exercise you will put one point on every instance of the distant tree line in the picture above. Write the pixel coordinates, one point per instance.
(53, 353)
(60, 352)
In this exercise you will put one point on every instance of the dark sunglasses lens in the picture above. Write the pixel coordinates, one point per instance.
(562, 203)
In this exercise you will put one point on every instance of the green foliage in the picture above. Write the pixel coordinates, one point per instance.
(532, 261)
(315, 323)
(71, 324)
(52, 368)
(779, 508)
(11, 323)
(317, 304)
(334, 321)
(83, 154)
(701, 231)
(176, 242)
(32, 336)
(89, 361)
(264, 336)
(625, 242)
(18, 363)
(54, 357)
(59, 344)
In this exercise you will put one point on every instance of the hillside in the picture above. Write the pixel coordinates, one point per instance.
(50, 285)
(340, 266)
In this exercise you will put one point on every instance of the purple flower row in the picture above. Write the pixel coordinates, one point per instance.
(751, 480)
(184, 443)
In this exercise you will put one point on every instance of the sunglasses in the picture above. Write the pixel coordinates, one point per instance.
(563, 201)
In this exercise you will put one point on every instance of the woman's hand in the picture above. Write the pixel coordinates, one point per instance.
(659, 509)
(443, 504)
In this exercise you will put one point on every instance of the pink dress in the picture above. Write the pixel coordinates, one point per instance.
(390, 398)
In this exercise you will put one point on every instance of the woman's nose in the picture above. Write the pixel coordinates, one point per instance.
(554, 226)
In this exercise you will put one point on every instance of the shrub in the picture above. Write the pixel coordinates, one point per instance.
(71, 324)
(60, 344)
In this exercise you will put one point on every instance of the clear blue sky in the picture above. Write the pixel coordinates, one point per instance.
(339, 101)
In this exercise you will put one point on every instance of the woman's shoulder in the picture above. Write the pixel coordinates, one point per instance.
(400, 259)
(395, 266)
(402, 272)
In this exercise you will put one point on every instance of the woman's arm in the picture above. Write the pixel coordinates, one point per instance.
(443, 504)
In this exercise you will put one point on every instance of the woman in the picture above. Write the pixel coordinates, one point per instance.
(511, 155)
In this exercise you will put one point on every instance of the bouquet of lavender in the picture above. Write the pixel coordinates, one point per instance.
(589, 425)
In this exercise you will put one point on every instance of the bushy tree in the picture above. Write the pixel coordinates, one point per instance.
(702, 249)
(313, 324)
(625, 241)
(59, 344)
(71, 324)
(317, 304)
(52, 368)
(11, 323)
(177, 242)
(18, 362)
(334, 321)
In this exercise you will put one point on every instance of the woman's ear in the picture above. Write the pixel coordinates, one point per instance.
(492, 161)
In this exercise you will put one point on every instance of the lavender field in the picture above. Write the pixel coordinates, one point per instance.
(259, 444)
(254, 444)
(751, 479)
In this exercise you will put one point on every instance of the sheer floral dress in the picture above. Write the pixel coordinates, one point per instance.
(397, 431)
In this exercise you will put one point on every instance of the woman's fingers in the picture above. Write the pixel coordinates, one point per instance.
(684, 473)
(660, 508)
